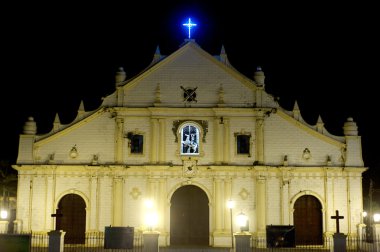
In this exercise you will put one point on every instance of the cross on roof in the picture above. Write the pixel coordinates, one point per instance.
(337, 218)
(189, 26)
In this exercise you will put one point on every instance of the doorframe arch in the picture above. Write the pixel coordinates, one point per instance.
(318, 197)
(169, 197)
(80, 194)
(182, 184)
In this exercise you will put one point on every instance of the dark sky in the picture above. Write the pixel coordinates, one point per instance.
(326, 56)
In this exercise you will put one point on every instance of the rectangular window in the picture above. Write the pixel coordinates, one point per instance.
(137, 144)
(243, 143)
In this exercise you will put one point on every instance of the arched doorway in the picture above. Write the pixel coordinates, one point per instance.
(189, 217)
(308, 220)
(72, 218)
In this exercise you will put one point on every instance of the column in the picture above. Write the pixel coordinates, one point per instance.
(49, 189)
(284, 202)
(218, 209)
(118, 201)
(154, 142)
(261, 206)
(161, 202)
(227, 196)
(119, 140)
(226, 141)
(260, 137)
(93, 225)
(162, 142)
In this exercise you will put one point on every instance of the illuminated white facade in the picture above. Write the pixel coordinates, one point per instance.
(189, 119)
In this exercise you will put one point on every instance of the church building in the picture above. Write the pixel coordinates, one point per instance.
(189, 134)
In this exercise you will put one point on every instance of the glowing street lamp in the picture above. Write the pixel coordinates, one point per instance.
(3, 214)
(151, 220)
(242, 220)
(376, 217)
(151, 217)
(230, 205)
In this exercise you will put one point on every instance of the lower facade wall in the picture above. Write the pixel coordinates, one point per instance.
(130, 188)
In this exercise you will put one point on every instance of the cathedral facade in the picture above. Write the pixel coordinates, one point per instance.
(188, 134)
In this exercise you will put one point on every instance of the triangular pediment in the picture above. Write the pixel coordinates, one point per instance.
(190, 67)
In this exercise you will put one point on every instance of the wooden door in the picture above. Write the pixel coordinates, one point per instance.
(189, 217)
(72, 209)
(308, 221)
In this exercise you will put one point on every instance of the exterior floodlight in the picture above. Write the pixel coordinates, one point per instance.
(3, 214)
(241, 220)
(364, 214)
(376, 217)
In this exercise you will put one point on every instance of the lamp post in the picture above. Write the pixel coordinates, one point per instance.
(230, 205)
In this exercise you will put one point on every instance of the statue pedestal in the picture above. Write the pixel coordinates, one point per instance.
(243, 242)
(56, 241)
(151, 241)
(339, 242)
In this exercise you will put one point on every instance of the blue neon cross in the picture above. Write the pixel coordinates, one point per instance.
(189, 26)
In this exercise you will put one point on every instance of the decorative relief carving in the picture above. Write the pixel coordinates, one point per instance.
(74, 152)
(189, 168)
(306, 154)
(135, 193)
(244, 194)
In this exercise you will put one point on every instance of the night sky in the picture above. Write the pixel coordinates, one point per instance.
(324, 56)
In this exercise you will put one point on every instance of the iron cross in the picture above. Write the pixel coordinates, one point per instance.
(56, 215)
(190, 94)
(337, 218)
(189, 26)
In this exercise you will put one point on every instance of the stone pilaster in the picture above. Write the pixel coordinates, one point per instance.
(119, 140)
(226, 141)
(162, 142)
(260, 138)
(218, 205)
(261, 206)
(154, 142)
(118, 201)
(218, 140)
(227, 196)
(94, 216)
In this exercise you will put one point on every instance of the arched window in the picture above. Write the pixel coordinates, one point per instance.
(189, 140)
